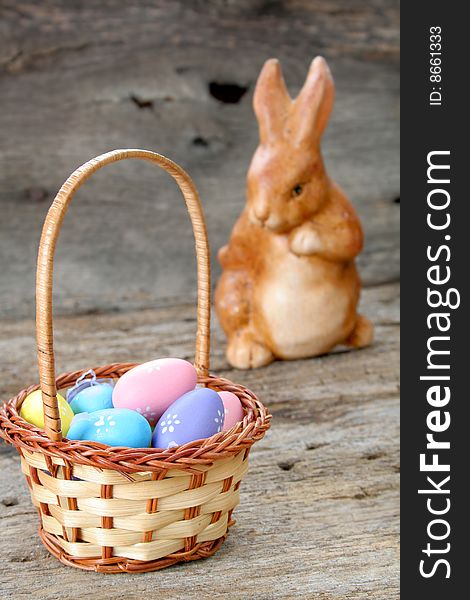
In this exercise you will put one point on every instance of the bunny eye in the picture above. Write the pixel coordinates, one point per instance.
(297, 190)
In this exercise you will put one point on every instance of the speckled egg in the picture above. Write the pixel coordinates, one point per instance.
(112, 426)
(33, 412)
(197, 414)
(150, 388)
(95, 397)
(233, 410)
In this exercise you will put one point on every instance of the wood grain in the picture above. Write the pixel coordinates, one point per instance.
(319, 510)
(78, 79)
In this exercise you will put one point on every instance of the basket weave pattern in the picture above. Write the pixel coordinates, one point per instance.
(113, 509)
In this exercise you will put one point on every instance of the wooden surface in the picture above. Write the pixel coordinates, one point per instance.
(81, 78)
(319, 511)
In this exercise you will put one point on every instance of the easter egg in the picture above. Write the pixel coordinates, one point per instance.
(85, 380)
(32, 411)
(112, 426)
(150, 388)
(93, 398)
(233, 410)
(195, 415)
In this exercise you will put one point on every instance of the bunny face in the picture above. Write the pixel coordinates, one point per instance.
(285, 191)
(287, 182)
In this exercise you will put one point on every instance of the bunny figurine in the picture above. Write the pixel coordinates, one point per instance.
(289, 287)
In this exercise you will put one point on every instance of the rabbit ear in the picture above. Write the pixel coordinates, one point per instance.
(314, 103)
(271, 100)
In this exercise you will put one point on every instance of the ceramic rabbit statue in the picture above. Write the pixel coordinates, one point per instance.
(289, 287)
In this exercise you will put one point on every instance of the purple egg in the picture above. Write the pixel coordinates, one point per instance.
(195, 415)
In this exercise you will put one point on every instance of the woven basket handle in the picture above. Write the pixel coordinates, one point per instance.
(44, 277)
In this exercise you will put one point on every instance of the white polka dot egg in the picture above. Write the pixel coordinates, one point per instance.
(112, 426)
(196, 415)
(151, 387)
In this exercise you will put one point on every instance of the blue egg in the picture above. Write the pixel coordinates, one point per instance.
(93, 398)
(112, 426)
(195, 415)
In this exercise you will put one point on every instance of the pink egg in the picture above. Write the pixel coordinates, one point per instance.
(151, 387)
(233, 409)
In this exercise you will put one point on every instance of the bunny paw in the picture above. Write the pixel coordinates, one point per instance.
(244, 352)
(305, 240)
(363, 333)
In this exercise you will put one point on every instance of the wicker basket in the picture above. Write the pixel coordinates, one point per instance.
(113, 509)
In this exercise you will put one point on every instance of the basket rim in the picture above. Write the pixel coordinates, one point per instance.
(23, 435)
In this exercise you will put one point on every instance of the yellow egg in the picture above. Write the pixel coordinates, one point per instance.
(32, 411)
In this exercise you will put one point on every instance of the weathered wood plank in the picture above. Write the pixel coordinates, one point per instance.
(319, 511)
(80, 78)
